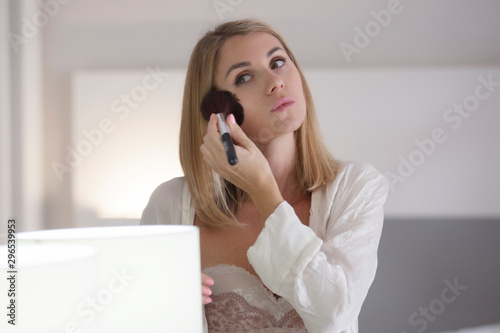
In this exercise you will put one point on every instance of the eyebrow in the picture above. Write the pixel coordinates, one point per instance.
(248, 63)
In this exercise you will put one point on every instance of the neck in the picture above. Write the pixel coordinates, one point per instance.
(280, 154)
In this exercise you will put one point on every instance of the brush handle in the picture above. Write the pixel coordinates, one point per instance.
(229, 148)
(227, 140)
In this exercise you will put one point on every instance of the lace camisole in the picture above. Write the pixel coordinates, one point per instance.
(241, 303)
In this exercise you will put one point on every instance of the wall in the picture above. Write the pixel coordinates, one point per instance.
(419, 259)
(425, 129)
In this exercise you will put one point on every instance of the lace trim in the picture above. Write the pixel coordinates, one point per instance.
(253, 307)
(229, 312)
(230, 269)
(265, 330)
(257, 294)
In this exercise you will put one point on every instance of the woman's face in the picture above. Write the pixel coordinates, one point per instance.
(257, 69)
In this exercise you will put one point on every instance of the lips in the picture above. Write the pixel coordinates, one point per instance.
(282, 104)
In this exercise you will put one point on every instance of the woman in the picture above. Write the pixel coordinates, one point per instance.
(289, 236)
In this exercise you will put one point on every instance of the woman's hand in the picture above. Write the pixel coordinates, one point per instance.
(252, 169)
(206, 283)
(252, 173)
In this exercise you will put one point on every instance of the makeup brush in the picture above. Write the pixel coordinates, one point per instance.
(223, 103)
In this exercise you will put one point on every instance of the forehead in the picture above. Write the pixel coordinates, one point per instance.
(244, 47)
(249, 42)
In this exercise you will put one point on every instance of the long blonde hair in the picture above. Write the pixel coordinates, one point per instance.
(216, 200)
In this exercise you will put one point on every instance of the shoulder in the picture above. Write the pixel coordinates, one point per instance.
(353, 175)
(357, 186)
(165, 202)
(168, 189)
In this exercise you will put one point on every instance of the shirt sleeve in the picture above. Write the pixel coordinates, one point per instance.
(165, 204)
(326, 279)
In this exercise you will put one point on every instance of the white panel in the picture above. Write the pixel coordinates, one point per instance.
(377, 115)
(125, 140)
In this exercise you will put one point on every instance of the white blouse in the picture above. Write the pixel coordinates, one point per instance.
(325, 270)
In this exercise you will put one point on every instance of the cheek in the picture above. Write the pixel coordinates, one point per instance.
(252, 109)
(251, 129)
(251, 119)
(253, 122)
(297, 82)
(300, 92)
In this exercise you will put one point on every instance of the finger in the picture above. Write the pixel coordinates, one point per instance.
(206, 300)
(206, 280)
(212, 127)
(237, 133)
(212, 149)
(206, 291)
(212, 139)
(205, 295)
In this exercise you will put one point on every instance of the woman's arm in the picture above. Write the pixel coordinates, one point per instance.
(326, 279)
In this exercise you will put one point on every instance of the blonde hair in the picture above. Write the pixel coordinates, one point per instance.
(216, 200)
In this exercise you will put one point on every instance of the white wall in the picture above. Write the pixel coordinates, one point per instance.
(439, 162)
(125, 141)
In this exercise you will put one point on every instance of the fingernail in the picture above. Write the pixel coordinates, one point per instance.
(208, 300)
(232, 119)
(209, 281)
(206, 291)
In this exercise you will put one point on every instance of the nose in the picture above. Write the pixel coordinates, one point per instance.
(275, 84)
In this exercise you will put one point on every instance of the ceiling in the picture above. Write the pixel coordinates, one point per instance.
(418, 33)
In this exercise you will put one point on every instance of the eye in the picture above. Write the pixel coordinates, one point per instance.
(242, 79)
(277, 63)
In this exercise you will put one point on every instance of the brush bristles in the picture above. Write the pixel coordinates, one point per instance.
(221, 101)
